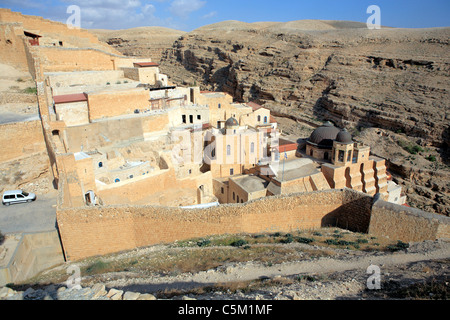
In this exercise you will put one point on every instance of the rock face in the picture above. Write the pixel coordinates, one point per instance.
(395, 79)
(144, 42)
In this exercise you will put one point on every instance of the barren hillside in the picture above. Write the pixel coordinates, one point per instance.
(143, 42)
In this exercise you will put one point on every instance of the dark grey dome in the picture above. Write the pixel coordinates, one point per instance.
(344, 137)
(324, 135)
(232, 122)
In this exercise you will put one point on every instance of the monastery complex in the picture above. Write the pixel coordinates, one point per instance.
(123, 134)
(119, 133)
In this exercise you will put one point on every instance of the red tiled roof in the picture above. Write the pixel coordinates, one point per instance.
(146, 64)
(254, 106)
(272, 120)
(31, 34)
(69, 98)
(286, 145)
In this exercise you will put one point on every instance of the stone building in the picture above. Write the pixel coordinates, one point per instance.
(348, 164)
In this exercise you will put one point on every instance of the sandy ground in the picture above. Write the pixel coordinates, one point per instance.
(343, 275)
(15, 104)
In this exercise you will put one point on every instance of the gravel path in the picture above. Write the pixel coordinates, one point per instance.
(346, 261)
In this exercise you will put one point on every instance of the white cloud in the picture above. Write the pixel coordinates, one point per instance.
(210, 15)
(116, 14)
(183, 8)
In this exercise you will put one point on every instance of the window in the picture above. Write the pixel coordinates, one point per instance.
(349, 156)
(191, 118)
(184, 118)
(325, 155)
(252, 147)
(231, 172)
(199, 117)
(259, 118)
(220, 106)
(117, 180)
(234, 196)
(228, 150)
(341, 156)
(265, 119)
(190, 171)
(131, 176)
(19, 196)
(223, 191)
(100, 164)
(237, 199)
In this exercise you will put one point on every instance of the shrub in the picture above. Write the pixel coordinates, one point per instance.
(98, 267)
(203, 243)
(239, 243)
(2, 238)
(362, 241)
(317, 234)
(276, 234)
(304, 240)
(30, 90)
(288, 239)
(331, 241)
(431, 158)
(398, 246)
(345, 243)
(411, 148)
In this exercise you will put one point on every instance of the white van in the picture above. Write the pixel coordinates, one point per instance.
(17, 196)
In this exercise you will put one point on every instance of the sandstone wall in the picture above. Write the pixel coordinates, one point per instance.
(34, 253)
(12, 50)
(97, 231)
(57, 59)
(21, 139)
(56, 31)
(117, 103)
(104, 133)
(407, 224)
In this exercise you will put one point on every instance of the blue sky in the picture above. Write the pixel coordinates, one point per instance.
(188, 15)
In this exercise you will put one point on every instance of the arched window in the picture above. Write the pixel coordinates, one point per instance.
(265, 119)
(237, 199)
(117, 180)
(259, 118)
(100, 164)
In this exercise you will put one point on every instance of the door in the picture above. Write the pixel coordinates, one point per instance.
(20, 198)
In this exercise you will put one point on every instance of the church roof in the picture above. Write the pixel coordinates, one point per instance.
(232, 122)
(324, 135)
(344, 137)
